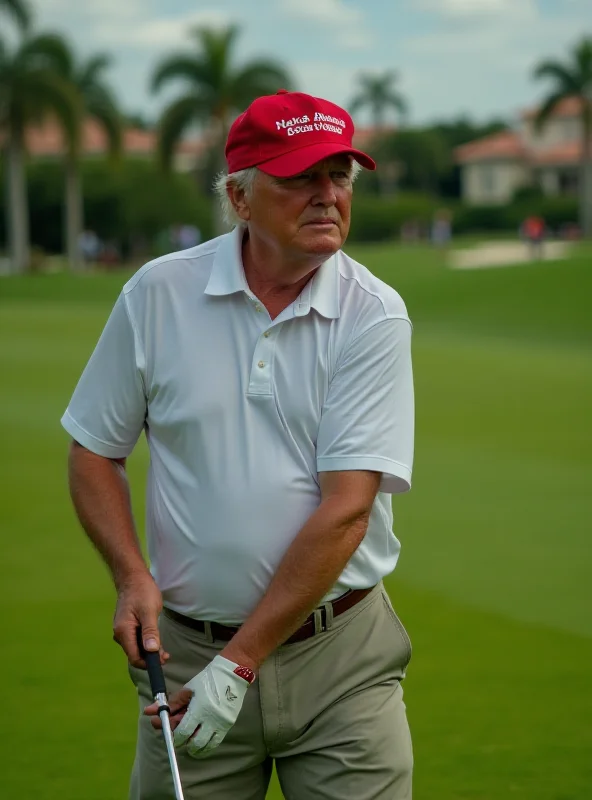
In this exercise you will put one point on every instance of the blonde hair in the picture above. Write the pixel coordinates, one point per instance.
(244, 179)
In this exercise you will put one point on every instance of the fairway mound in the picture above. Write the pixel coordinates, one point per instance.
(503, 254)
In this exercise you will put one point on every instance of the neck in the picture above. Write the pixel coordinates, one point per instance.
(274, 279)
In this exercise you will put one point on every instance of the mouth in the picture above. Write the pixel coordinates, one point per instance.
(323, 223)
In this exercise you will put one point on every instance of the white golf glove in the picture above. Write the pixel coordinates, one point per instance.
(218, 694)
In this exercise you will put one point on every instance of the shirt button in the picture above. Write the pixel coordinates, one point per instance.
(258, 308)
(266, 334)
(261, 364)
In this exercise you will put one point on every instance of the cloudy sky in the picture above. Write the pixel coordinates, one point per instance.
(453, 56)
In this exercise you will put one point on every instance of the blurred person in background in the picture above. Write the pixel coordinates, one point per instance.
(272, 376)
(89, 246)
(110, 254)
(441, 229)
(188, 236)
(533, 232)
(411, 232)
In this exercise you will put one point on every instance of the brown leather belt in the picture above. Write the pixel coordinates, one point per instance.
(225, 632)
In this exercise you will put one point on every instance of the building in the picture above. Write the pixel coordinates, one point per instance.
(493, 168)
(47, 141)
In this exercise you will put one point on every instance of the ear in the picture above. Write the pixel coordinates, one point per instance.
(238, 201)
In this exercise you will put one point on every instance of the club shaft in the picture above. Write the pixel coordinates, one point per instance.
(168, 737)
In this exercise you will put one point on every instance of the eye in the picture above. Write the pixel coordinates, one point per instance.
(296, 180)
(340, 176)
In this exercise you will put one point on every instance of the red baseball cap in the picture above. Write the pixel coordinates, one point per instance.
(286, 133)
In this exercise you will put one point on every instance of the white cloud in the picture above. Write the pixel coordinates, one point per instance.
(483, 68)
(479, 8)
(97, 9)
(452, 55)
(355, 40)
(335, 82)
(335, 12)
(132, 22)
(164, 32)
(346, 22)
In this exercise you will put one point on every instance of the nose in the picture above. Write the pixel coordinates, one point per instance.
(324, 190)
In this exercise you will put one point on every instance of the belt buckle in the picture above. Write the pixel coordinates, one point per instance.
(320, 620)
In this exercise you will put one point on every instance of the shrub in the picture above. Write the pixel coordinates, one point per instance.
(477, 219)
(133, 200)
(376, 219)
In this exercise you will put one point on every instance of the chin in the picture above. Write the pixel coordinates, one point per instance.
(324, 243)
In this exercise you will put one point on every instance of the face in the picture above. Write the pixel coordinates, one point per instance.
(302, 217)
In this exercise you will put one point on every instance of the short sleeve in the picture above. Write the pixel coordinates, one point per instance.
(367, 422)
(108, 408)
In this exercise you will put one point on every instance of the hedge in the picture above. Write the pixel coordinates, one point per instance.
(376, 219)
(556, 211)
(135, 201)
(130, 201)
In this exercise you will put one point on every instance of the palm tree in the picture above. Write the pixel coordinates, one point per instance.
(95, 101)
(20, 11)
(573, 78)
(31, 88)
(216, 89)
(379, 93)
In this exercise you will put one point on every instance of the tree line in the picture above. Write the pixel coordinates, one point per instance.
(41, 76)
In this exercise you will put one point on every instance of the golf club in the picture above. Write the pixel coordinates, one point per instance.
(158, 686)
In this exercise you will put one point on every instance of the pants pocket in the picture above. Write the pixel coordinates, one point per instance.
(399, 628)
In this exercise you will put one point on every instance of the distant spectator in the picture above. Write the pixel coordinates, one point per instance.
(110, 254)
(533, 232)
(570, 232)
(188, 236)
(441, 231)
(410, 231)
(89, 246)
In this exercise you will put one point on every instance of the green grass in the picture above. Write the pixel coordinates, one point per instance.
(493, 582)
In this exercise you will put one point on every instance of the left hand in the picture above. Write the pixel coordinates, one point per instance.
(207, 707)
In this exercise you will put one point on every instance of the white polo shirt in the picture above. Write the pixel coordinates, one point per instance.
(241, 413)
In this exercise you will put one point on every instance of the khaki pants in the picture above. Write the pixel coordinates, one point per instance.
(328, 710)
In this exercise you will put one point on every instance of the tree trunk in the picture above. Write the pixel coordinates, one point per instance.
(73, 213)
(17, 207)
(585, 182)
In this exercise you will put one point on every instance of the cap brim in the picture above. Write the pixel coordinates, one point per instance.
(289, 164)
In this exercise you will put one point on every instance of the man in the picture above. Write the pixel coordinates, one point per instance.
(271, 374)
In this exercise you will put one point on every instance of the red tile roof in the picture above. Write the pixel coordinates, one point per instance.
(502, 145)
(509, 144)
(565, 153)
(570, 107)
(48, 140)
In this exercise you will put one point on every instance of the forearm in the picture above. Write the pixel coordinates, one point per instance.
(310, 567)
(100, 494)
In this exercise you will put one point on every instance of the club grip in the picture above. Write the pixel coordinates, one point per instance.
(153, 665)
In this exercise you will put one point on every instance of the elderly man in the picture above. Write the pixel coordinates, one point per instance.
(271, 374)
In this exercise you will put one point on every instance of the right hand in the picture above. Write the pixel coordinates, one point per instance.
(139, 603)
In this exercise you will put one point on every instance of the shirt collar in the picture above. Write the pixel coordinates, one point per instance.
(322, 292)
(228, 277)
